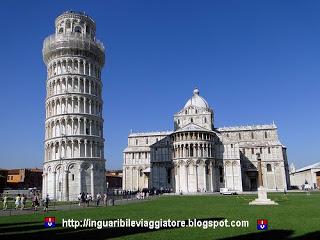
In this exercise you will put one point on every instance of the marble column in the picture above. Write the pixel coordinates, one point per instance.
(124, 178)
(54, 185)
(66, 188)
(80, 180)
(85, 147)
(204, 177)
(92, 183)
(138, 176)
(211, 176)
(177, 177)
(132, 170)
(91, 149)
(44, 186)
(181, 177)
(185, 181)
(46, 189)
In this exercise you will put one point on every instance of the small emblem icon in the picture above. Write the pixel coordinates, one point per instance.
(49, 222)
(262, 224)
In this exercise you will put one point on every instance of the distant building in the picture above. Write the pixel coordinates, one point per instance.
(306, 175)
(198, 157)
(3, 179)
(114, 179)
(24, 178)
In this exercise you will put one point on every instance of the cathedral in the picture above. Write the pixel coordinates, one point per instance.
(199, 157)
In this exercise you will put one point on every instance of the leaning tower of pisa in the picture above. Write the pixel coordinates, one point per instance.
(74, 144)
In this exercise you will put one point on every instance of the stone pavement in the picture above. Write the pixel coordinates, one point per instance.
(72, 205)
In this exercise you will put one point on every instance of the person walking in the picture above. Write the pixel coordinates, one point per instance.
(17, 202)
(98, 199)
(25, 201)
(90, 198)
(79, 199)
(46, 203)
(22, 200)
(36, 202)
(105, 199)
(87, 199)
(5, 202)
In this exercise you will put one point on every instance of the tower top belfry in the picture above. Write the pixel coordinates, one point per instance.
(75, 34)
(75, 22)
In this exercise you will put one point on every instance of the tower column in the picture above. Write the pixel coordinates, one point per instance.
(124, 178)
(78, 99)
(44, 185)
(72, 149)
(92, 182)
(85, 147)
(79, 149)
(91, 149)
(80, 180)
(54, 185)
(66, 181)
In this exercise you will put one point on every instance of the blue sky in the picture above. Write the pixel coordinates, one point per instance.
(253, 61)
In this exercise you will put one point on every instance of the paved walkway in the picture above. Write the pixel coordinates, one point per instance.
(72, 205)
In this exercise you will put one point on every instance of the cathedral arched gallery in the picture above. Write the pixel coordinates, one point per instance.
(199, 157)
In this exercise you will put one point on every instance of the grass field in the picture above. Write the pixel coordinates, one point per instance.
(296, 217)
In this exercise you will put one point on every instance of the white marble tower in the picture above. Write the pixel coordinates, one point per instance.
(74, 144)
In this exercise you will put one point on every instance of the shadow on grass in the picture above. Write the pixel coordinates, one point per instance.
(275, 234)
(4, 225)
(22, 227)
(21, 232)
(36, 230)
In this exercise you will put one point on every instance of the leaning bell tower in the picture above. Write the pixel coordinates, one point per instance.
(74, 144)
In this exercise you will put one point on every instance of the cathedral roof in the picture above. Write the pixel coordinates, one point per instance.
(137, 149)
(149, 134)
(191, 127)
(246, 128)
(196, 100)
(316, 165)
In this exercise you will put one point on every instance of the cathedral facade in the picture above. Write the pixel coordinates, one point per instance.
(198, 157)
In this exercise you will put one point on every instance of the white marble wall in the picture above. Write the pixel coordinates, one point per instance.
(74, 144)
(137, 170)
(309, 175)
(63, 181)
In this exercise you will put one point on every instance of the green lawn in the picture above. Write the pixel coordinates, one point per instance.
(296, 217)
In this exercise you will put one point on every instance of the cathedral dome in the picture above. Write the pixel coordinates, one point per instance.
(196, 100)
